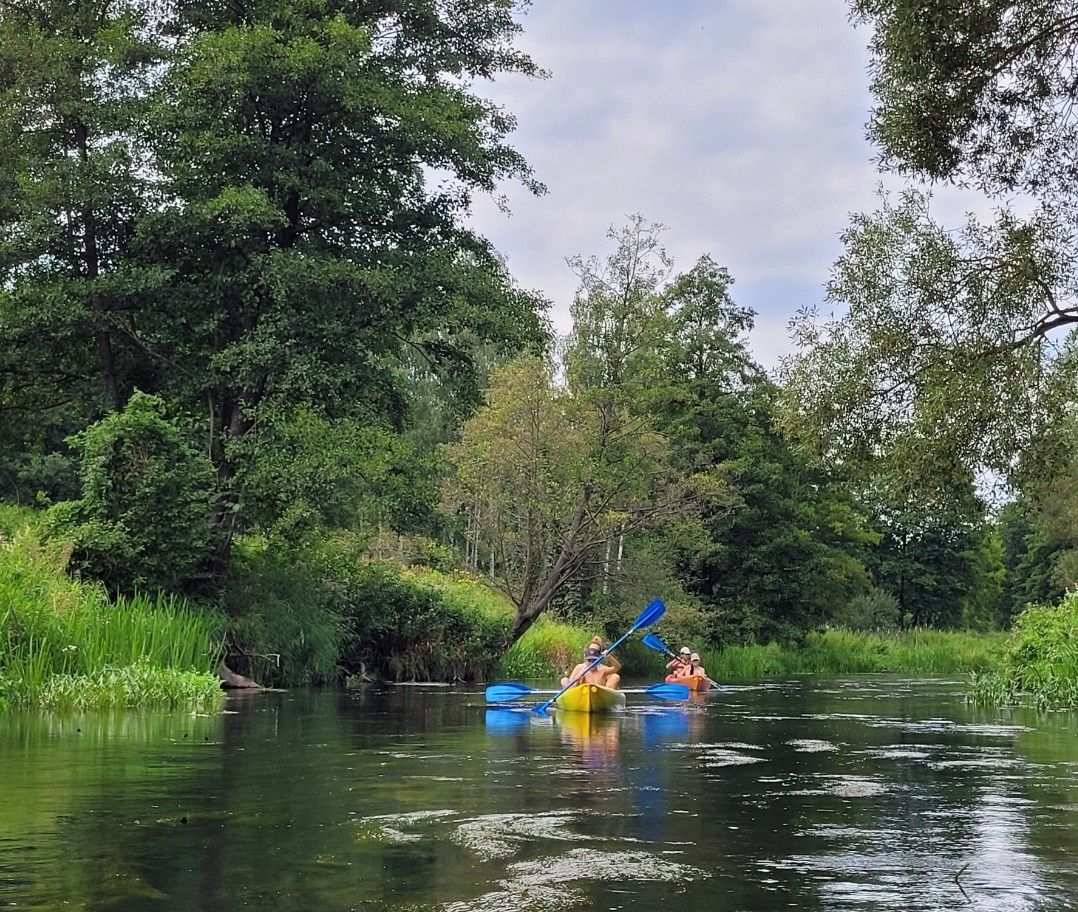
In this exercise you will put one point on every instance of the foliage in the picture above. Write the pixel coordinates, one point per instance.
(236, 208)
(944, 567)
(547, 477)
(144, 520)
(63, 642)
(73, 79)
(311, 612)
(976, 91)
(1040, 663)
(423, 625)
(300, 470)
(876, 609)
(944, 359)
(838, 651)
(286, 624)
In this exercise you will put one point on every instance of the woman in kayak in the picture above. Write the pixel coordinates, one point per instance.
(695, 668)
(678, 666)
(606, 675)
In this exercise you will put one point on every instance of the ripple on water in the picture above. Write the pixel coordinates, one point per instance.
(846, 787)
(501, 835)
(549, 884)
(811, 746)
(393, 827)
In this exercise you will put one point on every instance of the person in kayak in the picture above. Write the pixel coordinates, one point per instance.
(676, 667)
(606, 675)
(695, 668)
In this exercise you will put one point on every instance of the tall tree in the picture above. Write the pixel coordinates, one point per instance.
(545, 484)
(311, 246)
(73, 183)
(956, 351)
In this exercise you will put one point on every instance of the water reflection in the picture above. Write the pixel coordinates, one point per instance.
(852, 794)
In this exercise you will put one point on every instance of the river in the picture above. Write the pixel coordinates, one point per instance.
(861, 793)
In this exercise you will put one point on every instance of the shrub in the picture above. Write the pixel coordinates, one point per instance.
(144, 520)
(872, 610)
(1040, 663)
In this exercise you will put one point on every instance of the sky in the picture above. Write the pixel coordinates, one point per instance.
(737, 124)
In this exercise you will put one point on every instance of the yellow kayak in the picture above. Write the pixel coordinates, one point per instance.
(590, 698)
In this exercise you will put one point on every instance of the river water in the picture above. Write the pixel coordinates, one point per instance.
(862, 793)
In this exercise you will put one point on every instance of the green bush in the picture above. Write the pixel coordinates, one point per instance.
(310, 614)
(421, 624)
(872, 610)
(1040, 663)
(144, 520)
(286, 620)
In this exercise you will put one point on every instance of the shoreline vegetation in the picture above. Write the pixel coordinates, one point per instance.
(67, 645)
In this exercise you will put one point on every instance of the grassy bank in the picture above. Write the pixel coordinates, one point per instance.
(64, 644)
(836, 651)
(550, 647)
(1040, 662)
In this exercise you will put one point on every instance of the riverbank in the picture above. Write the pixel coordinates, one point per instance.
(1040, 663)
(64, 644)
(549, 648)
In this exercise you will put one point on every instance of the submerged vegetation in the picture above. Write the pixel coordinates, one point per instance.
(64, 643)
(1040, 662)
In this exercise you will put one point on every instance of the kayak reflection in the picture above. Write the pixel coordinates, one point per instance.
(596, 739)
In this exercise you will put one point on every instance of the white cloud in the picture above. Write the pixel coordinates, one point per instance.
(740, 126)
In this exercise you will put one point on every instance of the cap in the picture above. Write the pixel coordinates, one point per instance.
(695, 657)
(684, 650)
(592, 651)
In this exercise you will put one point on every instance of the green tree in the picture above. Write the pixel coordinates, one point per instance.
(545, 484)
(980, 92)
(311, 247)
(942, 360)
(943, 566)
(73, 184)
(144, 519)
(953, 352)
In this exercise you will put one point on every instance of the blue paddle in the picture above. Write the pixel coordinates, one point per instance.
(503, 693)
(652, 641)
(655, 610)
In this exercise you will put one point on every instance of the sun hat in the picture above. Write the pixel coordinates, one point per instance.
(695, 657)
(684, 650)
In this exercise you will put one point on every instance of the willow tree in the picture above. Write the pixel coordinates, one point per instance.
(954, 351)
(547, 482)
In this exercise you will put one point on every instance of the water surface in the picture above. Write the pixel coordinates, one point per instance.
(813, 794)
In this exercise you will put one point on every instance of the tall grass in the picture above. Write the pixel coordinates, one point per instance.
(1040, 663)
(549, 648)
(837, 651)
(64, 643)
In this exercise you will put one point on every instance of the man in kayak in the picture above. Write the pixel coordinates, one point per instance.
(606, 675)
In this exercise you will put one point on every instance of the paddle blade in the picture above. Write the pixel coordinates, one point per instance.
(668, 691)
(503, 693)
(652, 641)
(655, 610)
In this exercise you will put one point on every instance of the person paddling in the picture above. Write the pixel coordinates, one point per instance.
(606, 675)
(678, 665)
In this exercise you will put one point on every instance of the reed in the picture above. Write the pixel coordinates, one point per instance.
(838, 651)
(64, 643)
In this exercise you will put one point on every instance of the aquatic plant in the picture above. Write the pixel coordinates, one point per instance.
(1040, 662)
(63, 642)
